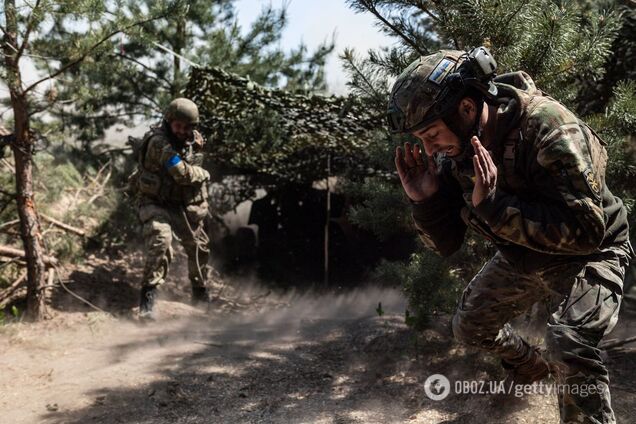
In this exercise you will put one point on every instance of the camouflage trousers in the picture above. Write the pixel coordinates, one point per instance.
(159, 224)
(583, 300)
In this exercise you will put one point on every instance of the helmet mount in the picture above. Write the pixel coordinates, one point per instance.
(432, 87)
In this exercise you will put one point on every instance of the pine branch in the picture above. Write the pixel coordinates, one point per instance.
(144, 95)
(419, 4)
(371, 90)
(370, 6)
(146, 67)
(93, 47)
(509, 18)
(29, 28)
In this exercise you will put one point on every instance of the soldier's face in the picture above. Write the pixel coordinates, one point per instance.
(182, 130)
(438, 138)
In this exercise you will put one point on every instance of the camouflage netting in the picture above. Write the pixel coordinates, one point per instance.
(275, 133)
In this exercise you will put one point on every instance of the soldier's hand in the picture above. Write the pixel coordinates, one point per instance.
(485, 173)
(198, 139)
(418, 180)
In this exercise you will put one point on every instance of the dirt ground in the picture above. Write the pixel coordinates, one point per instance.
(255, 357)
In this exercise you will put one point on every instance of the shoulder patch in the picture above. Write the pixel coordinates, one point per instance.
(173, 161)
(592, 182)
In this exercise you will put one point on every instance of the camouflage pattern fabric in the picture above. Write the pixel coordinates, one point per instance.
(171, 187)
(558, 204)
(584, 299)
(560, 234)
(171, 172)
(158, 225)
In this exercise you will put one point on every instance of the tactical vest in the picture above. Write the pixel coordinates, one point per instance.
(160, 187)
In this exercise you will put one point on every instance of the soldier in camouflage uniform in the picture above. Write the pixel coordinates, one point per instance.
(519, 168)
(173, 199)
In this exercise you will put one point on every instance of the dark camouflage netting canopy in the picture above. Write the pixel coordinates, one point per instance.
(228, 99)
(275, 132)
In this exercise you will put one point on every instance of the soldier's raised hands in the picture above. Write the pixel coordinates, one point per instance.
(485, 173)
(419, 180)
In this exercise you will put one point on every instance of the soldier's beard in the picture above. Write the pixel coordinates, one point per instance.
(464, 130)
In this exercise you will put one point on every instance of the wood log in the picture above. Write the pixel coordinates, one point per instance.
(7, 294)
(9, 223)
(12, 252)
(19, 294)
(64, 226)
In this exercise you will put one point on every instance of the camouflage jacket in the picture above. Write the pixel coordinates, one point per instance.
(170, 171)
(551, 198)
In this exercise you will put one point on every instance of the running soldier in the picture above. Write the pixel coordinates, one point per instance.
(173, 198)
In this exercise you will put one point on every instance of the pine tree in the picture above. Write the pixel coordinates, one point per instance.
(136, 75)
(23, 27)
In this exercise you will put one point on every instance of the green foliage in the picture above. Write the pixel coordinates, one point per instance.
(564, 45)
(556, 42)
(622, 113)
(282, 137)
(131, 78)
(617, 127)
(6, 319)
(427, 281)
(594, 94)
(73, 188)
(378, 207)
(58, 176)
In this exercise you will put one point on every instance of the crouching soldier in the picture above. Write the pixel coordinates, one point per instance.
(523, 171)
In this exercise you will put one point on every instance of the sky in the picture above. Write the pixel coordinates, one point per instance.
(310, 21)
(314, 21)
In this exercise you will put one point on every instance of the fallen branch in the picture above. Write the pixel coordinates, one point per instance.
(8, 295)
(12, 252)
(8, 165)
(18, 294)
(6, 262)
(64, 226)
(9, 223)
(101, 187)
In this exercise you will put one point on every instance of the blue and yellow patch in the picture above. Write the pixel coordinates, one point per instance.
(441, 70)
(173, 161)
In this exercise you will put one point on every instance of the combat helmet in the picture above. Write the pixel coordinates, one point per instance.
(431, 87)
(182, 109)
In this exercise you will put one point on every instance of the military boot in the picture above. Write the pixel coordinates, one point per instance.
(535, 368)
(147, 303)
(200, 295)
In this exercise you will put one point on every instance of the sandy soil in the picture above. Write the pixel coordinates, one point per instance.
(292, 359)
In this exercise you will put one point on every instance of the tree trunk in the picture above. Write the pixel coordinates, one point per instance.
(23, 154)
(178, 46)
